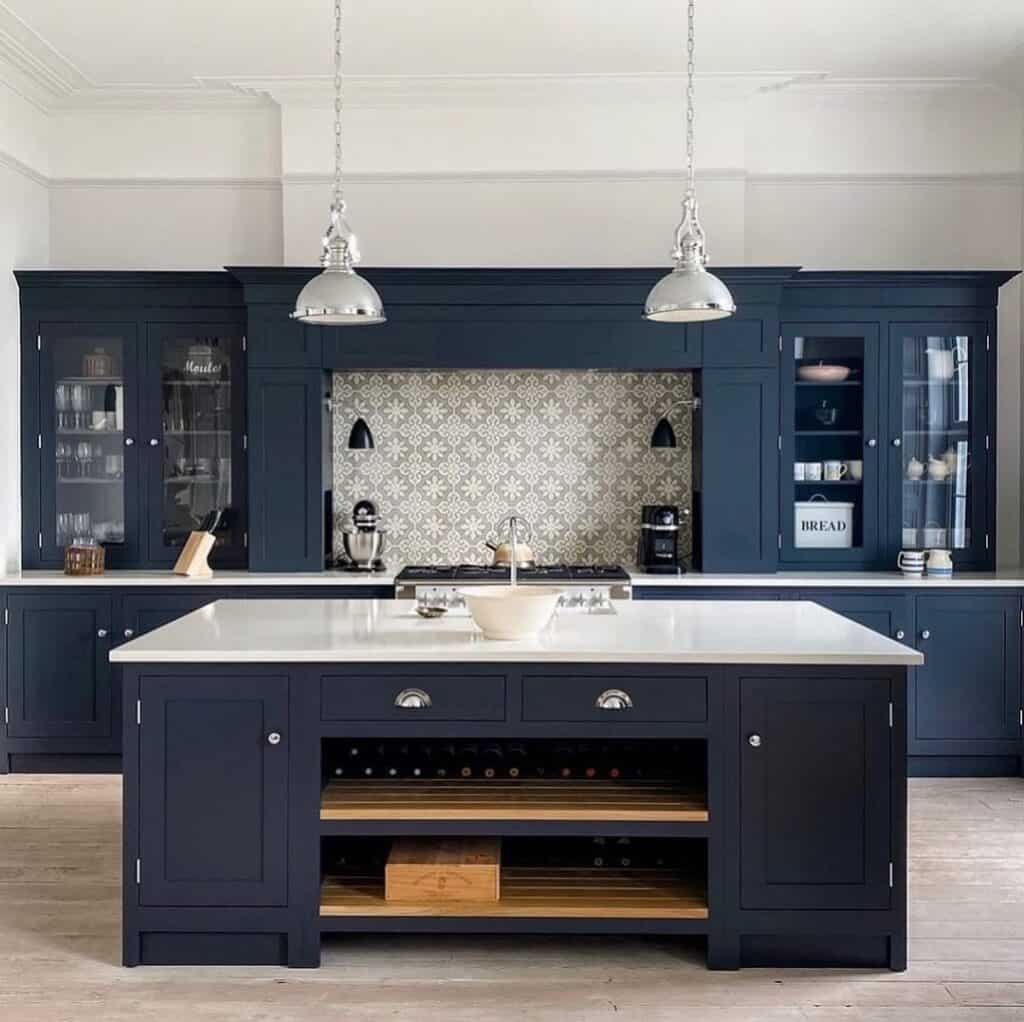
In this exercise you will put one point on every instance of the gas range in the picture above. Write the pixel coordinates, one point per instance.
(588, 587)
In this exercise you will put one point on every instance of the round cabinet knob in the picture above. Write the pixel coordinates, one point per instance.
(614, 699)
(872, 442)
(274, 738)
(754, 741)
(900, 633)
(101, 632)
(897, 442)
(129, 441)
(153, 442)
(926, 634)
(129, 632)
(413, 699)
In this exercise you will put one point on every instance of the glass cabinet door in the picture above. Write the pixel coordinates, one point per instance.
(87, 440)
(937, 457)
(829, 482)
(195, 441)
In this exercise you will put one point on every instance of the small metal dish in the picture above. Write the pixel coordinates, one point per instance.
(431, 612)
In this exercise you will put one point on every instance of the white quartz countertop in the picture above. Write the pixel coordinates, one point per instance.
(218, 579)
(387, 631)
(1005, 579)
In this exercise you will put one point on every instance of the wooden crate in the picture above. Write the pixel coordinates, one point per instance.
(443, 869)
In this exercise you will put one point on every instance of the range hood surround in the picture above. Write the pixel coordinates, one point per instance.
(456, 450)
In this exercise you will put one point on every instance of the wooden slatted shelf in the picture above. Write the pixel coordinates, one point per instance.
(537, 892)
(477, 799)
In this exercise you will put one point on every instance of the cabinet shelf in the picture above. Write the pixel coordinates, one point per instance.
(828, 482)
(834, 383)
(938, 431)
(474, 799)
(89, 432)
(90, 482)
(537, 892)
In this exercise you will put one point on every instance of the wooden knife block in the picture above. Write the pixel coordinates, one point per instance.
(192, 560)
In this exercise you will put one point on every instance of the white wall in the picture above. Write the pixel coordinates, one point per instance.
(547, 174)
(24, 241)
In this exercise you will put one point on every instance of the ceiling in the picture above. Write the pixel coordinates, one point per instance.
(111, 43)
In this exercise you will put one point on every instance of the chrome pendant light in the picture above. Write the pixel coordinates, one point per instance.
(338, 296)
(689, 294)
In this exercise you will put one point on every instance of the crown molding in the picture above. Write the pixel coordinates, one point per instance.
(203, 95)
(12, 163)
(1009, 180)
(185, 183)
(32, 67)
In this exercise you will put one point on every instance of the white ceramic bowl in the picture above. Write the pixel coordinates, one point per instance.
(511, 612)
(822, 373)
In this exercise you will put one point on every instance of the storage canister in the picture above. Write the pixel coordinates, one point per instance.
(823, 524)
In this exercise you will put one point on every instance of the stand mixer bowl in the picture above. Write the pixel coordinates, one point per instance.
(364, 548)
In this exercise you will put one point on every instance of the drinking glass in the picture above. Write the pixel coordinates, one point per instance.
(79, 402)
(62, 399)
(83, 452)
(83, 529)
(65, 527)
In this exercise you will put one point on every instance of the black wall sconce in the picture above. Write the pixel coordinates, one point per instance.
(360, 438)
(664, 435)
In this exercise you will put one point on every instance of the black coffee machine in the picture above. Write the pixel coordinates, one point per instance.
(658, 549)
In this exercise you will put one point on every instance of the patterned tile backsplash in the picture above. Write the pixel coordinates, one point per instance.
(456, 451)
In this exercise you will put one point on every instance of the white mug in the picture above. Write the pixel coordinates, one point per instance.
(855, 469)
(812, 470)
(835, 470)
(799, 473)
(911, 562)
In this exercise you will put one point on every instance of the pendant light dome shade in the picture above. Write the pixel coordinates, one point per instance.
(689, 294)
(339, 297)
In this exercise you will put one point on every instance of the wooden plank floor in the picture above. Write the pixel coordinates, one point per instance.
(59, 941)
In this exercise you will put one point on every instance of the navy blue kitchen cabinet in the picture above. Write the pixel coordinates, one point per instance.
(213, 795)
(289, 441)
(61, 695)
(739, 477)
(965, 700)
(127, 438)
(888, 614)
(830, 847)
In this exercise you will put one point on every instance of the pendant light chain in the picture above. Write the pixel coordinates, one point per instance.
(690, 171)
(338, 202)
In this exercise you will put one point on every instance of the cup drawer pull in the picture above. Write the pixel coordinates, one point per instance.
(413, 699)
(614, 699)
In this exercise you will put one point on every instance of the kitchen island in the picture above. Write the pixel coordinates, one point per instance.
(734, 770)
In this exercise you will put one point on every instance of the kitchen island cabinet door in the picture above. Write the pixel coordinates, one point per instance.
(60, 683)
(213, 790)
(965, 700)
(815, 793)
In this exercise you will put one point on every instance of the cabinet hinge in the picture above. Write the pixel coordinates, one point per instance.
(39, 342)
(780, 342)
(986, 540)
(892, 873)
(138, 712)
(988, 342)
(40, 539)
(986, 441)
(245, 539)
(245, 343)
(1020, 717)
(7, 715)
(780, 443)
(39, 441)
(245, 441)
(1021, 618)
(7, 617)
(780, 540)
(890, 713)
(138, 872)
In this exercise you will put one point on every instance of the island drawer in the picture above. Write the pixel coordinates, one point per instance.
(407, 698)
(611, 699)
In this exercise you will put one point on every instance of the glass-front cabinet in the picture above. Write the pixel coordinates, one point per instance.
(829, 443)
(139, 440)
(937, 456)
(194, 474)
(87, 430)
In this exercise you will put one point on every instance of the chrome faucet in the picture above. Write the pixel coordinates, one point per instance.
(513, 528)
